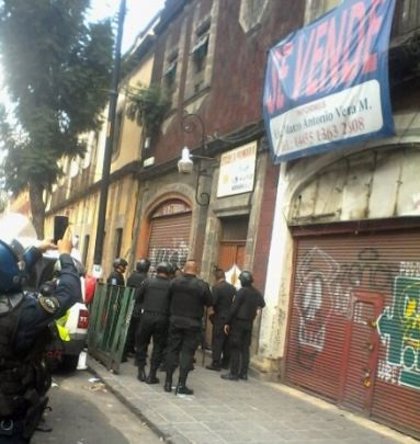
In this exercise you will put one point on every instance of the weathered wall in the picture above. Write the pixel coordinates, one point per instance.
(363, 182)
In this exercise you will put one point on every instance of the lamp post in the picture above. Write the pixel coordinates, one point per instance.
(192, 123)
(113, 97)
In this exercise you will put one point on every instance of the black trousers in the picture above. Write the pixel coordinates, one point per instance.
(132, 330)
(182, 344)
(220, 343)
(240, 341)
(151, 326)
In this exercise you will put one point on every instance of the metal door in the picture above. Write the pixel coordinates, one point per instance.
(361, 345)
(169, 239)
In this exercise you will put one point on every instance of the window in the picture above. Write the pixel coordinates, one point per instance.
(199, 57)
(251, 13)
(117, 131)
(169, 73)
(199, 52)
(85, 249)
(118, 241)
(407, 16)
(316, 8)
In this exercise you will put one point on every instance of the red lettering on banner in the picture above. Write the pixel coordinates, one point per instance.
(371, 60)
(318, 55)
(275, 100)
(328, 58)
(302, 61)
(353, 56)
(330, 74)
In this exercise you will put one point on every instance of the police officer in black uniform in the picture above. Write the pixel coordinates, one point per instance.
(189, 295)
(117, 275)
(153, 296)
(135, 280)
(239, 326)
(223, 294)
(24, 317)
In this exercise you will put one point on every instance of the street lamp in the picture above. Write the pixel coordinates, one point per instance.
(189, 124)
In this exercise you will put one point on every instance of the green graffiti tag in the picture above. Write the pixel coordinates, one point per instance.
(400, 327)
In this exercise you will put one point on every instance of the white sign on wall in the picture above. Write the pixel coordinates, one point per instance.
(237, 170)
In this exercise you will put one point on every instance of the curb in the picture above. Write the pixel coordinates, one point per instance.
(136, 411)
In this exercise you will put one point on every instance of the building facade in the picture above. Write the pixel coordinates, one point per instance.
(331, 239)
(343, 275)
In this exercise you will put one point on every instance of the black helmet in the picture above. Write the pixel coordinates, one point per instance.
(246, 279)
(143, 265)
(164, 267)
(119, 262)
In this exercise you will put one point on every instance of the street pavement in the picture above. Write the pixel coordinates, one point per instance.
(250, 411)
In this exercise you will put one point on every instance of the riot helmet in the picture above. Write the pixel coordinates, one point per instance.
(119, 262)
(143, 265)
(164, 267)
(12, 267)
(246, 278)
(16, 233)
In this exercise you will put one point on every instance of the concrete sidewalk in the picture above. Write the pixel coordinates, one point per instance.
(240, 412)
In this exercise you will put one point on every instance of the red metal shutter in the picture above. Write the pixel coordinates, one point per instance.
(354, 330)
(169, 239)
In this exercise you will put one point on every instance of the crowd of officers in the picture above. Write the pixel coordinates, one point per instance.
(169, 309)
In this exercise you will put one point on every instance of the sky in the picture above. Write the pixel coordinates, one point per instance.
(139, 14)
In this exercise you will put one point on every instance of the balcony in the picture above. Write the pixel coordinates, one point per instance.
(404, 57)
(407, 18)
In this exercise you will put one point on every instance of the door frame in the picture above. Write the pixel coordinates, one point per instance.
(377, 300)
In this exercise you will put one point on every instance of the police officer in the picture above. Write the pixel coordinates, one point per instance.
(239, 326)
(117, 275)
(189, 295)
(223, 294)
(24, 317)
(135, 280)
(153, 296)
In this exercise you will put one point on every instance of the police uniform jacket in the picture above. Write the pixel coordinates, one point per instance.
(136, 278)
(223, 294)
(245, 305)
(189, 295)
(24, 318)
(116, 278)
(153, 295)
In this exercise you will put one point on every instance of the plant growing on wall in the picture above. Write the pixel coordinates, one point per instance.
(147, 106)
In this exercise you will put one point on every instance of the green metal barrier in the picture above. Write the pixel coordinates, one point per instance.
(108, 325)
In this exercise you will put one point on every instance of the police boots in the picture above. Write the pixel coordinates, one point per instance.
(141, 375)
(168, 382)
(152, 379)
(181, 388)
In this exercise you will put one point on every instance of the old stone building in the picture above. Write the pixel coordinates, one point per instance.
(332, 238)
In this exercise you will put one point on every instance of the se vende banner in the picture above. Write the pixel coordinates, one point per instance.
(326, 85)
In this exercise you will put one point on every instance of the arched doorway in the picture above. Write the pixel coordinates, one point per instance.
(170, 225)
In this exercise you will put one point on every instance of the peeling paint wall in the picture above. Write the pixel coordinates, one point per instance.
(369, 185)
(355, 183)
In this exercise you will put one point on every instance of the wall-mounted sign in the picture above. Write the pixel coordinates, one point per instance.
(237, 171)
(326, 85)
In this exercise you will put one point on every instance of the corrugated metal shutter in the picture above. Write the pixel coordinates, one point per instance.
(169, 239)
(354, 330)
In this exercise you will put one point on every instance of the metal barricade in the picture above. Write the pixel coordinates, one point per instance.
(109, 321)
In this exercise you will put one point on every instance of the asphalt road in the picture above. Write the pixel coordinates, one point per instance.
(84, 412)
